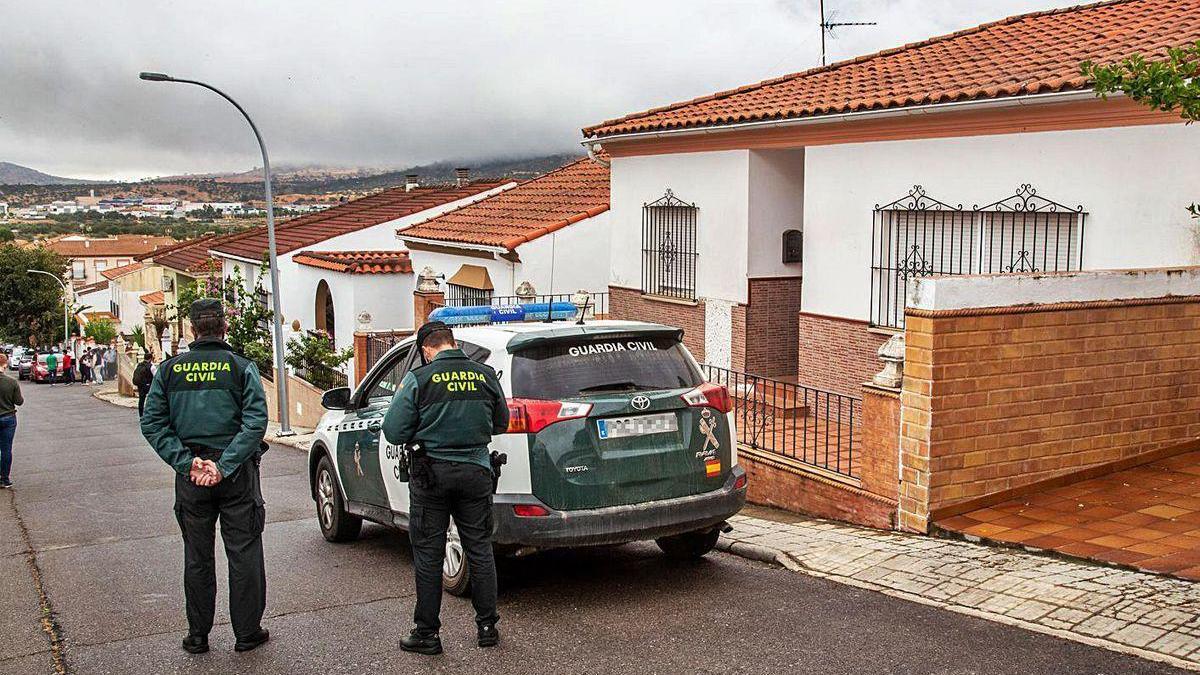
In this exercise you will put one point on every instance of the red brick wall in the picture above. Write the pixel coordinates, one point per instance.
(631, 305)
(770, 346)
(738, 340)
(837, 354)
(994, 401)
(880, 449)
(774, 483)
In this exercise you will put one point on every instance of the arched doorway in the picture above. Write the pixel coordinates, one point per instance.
(324, 311)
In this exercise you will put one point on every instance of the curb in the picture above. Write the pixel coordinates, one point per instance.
(774, 556)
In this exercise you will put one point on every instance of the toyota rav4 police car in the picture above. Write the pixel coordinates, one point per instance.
(614, 436)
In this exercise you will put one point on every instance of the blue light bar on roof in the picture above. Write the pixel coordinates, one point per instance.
(484, 314)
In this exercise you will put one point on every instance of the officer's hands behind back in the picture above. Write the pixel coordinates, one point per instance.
(204, 472)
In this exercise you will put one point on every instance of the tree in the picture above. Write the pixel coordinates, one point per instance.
(249, 331)
(315, 359)
(31, 305)
(1170, 85)
(101, 330)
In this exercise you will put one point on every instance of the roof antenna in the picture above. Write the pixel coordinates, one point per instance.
(828, 24)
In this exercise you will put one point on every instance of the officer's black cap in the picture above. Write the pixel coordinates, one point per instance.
(205, 308)
(429, 329)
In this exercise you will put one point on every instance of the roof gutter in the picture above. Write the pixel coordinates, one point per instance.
(1010, 102)
(452, 244)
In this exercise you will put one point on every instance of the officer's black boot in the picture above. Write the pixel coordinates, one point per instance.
(488, 635)
(195, 644)
(429, 645)
(255, 639)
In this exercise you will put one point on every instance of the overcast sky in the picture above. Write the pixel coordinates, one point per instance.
(395, 82)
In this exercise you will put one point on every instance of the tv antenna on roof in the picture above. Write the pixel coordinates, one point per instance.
(828, 24)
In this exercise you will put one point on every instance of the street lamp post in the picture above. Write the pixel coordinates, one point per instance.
(66, 300)
(66, 303)
(285, 428)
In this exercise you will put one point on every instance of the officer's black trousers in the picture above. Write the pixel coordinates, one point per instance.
(237, 501)
(463, 491)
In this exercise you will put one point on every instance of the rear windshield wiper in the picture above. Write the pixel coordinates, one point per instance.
(611, 386)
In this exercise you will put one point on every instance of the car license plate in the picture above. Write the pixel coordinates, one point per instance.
(643, 425)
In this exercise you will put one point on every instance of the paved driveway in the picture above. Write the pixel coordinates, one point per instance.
(94, 503)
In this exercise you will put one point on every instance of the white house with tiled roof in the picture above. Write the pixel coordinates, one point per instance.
(782, 223)
(318, 296)
(550, 234)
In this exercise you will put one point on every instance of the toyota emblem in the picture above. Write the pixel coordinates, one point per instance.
(640, 402)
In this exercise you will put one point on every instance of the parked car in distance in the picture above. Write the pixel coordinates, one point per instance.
(24, 366)
(39, 372)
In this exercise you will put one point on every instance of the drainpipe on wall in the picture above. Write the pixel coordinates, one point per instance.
(591, 151)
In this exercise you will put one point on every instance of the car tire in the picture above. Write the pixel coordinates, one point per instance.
(456, 574)
(336, 524)
(689, 545)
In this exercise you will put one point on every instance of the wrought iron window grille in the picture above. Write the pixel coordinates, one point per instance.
(919, 236)
(669, 247)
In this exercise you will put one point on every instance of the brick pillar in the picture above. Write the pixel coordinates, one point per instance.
(360, 356)
(881, 440)
(915, 417)
(427, 297)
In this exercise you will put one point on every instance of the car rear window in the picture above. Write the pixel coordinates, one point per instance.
(569, 369)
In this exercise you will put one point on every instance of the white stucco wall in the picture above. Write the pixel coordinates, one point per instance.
(1134, 183)
(776, 204)
(718, 183)
(573, 258)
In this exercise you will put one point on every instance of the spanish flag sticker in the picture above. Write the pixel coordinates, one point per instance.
(712, 467)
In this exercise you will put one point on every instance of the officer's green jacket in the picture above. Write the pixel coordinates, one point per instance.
(451, 406)
(208, 397)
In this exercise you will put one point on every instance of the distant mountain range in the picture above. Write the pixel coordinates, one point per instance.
(311, 178)
(15, 174)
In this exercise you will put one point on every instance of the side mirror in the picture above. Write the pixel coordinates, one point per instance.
(336, 399)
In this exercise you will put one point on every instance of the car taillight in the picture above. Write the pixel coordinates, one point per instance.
(530, 510)
(709, 395)
(740, 482)
(529, 416)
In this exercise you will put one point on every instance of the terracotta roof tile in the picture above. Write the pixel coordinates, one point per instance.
(537, 207)
(1033, 53)
(191, 256)
(345, 218)
(119, 245)
(357, 262)
(154, 298)
(121, 271)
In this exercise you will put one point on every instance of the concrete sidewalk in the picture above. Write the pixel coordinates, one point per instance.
(1146, 615)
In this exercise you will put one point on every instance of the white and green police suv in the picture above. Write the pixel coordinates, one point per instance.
(614, 437)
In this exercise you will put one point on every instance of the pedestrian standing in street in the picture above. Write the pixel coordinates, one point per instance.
(206, 415)
(143, 376)
(68, 367)
(110, 362)
(85, 367)
(446, 412)
(52, 368)
(10, 398)
(98, 365)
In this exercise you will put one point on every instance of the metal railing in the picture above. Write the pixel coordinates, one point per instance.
(379, 344)
(597, 305)
(919, 236)
(812, 426)
(323, 377)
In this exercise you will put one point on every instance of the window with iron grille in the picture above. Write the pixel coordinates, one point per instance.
(918, 236)
(465, 296)
(669, 247)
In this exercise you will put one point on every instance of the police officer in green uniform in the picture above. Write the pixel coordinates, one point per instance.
(446, 411)
(206, 415)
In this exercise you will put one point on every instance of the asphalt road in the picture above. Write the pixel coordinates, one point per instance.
(96, 504)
